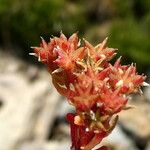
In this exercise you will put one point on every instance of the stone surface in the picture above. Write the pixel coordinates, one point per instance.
(148, 146)
(147, 93)
(53, 145)
(28, 108)
(137, 120)
(117, 140)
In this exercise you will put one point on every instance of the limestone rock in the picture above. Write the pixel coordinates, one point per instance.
(117, 140)
(148, 146)
(53, 145)
(28, 108)
(147, 93)
(137, 120)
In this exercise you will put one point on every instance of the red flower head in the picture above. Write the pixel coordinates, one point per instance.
(113, 101)
(125, 78)
(100, 51)
(68, 52)
(97, 89)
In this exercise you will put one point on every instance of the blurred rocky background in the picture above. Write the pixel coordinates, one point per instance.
(32, 113)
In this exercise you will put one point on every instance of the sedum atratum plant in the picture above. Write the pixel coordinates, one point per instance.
(96, 88)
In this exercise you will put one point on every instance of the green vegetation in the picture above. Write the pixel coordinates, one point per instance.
(127, 23)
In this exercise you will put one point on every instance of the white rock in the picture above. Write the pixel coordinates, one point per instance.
(117, 140)
(53, 145)
(137, 120)
(29, 108)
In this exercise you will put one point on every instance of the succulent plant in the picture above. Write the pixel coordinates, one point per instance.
(97, 89)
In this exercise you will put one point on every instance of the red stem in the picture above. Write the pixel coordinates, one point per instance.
(81, 139)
